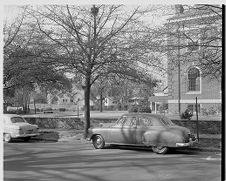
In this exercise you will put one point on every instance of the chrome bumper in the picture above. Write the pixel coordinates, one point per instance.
(190, 143)
(25, 135)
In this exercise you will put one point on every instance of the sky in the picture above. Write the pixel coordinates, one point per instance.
(11, 11)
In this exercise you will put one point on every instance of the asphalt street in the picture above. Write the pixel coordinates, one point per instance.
(77, 160)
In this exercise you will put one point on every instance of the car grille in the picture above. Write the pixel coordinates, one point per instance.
(30, 131)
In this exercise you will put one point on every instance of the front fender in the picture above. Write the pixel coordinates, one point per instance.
(104, 132)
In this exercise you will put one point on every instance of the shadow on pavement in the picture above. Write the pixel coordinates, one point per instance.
(32, 140)
(44, 136)
(187, 151)
(78, 161)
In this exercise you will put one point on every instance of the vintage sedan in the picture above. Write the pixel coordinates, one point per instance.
(16, 126)
(142, 129)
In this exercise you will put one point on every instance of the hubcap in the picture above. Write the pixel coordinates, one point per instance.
(159, 147)
(7, 137)
(98, 141)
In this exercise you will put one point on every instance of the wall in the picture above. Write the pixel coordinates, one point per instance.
(205, 127)
(53, 123)
(210, 94)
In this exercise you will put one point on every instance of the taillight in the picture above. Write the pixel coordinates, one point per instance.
(189, 137)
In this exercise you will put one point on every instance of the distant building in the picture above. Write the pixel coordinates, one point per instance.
(69, 100)
(192, 82)
(72, 101)
(110, 101)
(159, 101)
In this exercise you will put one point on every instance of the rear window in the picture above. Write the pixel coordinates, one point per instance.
(146, 122)
(130, 121)
(166, 121)
(17, 120)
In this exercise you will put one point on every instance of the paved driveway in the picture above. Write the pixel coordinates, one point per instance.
(78, 161)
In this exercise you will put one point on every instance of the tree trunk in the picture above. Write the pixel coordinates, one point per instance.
(34, 105)
(87, 106)
(101, 101)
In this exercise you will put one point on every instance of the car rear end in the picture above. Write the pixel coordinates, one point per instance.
(189, 140)
(25, 130)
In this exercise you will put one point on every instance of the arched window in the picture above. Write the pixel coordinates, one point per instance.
(193, 79)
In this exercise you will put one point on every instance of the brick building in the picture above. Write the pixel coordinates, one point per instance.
(186, 78)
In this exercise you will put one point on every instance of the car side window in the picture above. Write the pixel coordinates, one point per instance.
(130, 121)
(144, 121)
(17, 120)
(120, 122)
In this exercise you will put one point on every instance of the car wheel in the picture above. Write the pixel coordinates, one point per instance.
(98, 142)
(7, 137)
(160, 149)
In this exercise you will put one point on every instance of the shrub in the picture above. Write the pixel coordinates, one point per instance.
(133, 108)
(163, 108)
(187, 114)
(62, 109)
(139, 108)
(48, 109)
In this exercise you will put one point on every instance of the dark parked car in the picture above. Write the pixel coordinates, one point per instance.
(143, 129)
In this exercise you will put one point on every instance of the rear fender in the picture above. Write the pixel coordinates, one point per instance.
(162, 138)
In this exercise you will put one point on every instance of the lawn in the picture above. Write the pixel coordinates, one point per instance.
(115, 114)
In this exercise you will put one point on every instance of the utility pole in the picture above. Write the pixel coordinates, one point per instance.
(197, 118)
(179, 82)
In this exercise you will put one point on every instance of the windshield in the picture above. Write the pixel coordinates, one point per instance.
(166, 121)
(17, 120)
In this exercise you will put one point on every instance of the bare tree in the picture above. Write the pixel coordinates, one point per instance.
(91, 42)
(23, 65)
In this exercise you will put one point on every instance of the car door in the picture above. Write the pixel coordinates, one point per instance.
(143, 124)
(124, 132)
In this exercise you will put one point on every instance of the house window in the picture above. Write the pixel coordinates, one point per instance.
(193, 79)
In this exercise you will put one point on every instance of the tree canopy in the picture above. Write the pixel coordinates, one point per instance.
(24, 65)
